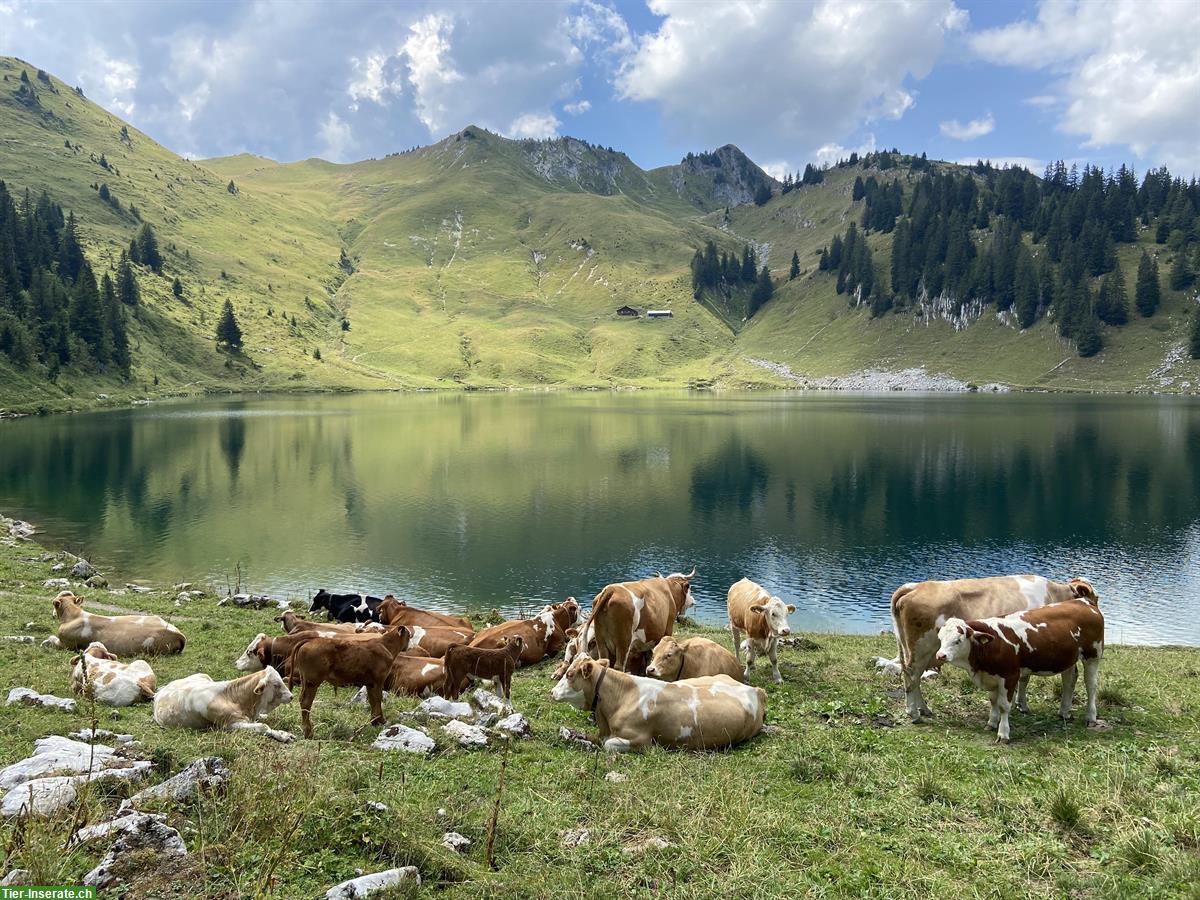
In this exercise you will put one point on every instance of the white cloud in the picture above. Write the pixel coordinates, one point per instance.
(578, 108)
(538, 126)
(372, 80)
(828, 154)
(118, 81)
(976, 128)
(429, 67)
(337, 138)
(776, 168)
(1041, 101)
(778, 75)
(1128, 72)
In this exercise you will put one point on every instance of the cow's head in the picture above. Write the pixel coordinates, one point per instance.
(320, 601)
(956, 638)
(97, 650)
(681, 591)
(270, 691)
(567, 613)
(1082, 589)
(367, 627)
(67, 604)
(397, 639)
(518, 642)
(775, 612)
(578, 682)
(577, 644)
(666, 660)
(250, 660)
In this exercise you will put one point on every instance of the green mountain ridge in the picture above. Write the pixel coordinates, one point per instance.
(482, 262)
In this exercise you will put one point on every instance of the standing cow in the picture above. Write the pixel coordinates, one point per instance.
(1001, 652)
(919, 609)
(764, 619)
(629, 618)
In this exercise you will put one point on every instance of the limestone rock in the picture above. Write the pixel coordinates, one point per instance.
(56, 583)
(208, 773)
(516, 725)
(456, 842)
(29, 697)
(489, 702)
(401, 737)
(575, 837)
(466, 735)
(16, 877)
(441, 708)
(365, 885)
(146, 834)
(616, 777)
(83, 570)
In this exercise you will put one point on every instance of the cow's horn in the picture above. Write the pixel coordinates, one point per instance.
(691, 574)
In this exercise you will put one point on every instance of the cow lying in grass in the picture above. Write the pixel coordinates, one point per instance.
(345, 661)
(543, 635)
(122, 635)
(199, 702)
(632, 712)
(398, 612)
(416, 676)
(293, 623)
(97, 673)
(674, 660)
(464, 664)
(1000, 653)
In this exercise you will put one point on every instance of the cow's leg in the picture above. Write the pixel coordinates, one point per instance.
(751, 654)
(261, 728)
(1068, 693)
(308, 692)
(773, 655)
(1091, 680)
(1006, 691)
(919, 658)
(994, 700)
(617, 745)
(1022, 686)
(375, 699)
(737, 642)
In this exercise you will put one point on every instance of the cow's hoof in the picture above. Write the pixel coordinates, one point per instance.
(1002, 740)
(1099, 725)
(284, 737)
(778, 679)
(1024, 709)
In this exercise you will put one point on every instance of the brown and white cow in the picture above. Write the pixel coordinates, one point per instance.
(632, 712)
(266, 651)
(434, 639)
(199, 702)
(398, 612)
(763, 618)
(293, 623)
(675, 660)
(919, 609)
(630, 617)
(122, 635)
(97, 673)
(346, 661)
(417, 676)
(1001, 652)
(543, 635)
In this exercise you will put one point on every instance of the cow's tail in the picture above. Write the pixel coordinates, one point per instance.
(290, 665)
(902, 651)
(599, 605)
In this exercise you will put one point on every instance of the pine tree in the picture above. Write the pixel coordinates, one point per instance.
(177, 287)
(1087, 336)
(1194, 343)
(749, 265)
(87, 317)
(1181, 273)
(127, 287)
(1147, 293)
(134, 252)
(148, 249)
(795, 269)
(859, 190)
(1026, 290)
(763, 291)
(1112, 305)
(762, 194)
(118, 336)
(228, 330)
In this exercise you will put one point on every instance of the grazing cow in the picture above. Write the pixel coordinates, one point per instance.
(764, 619)
(919, 609)
(435, 639)
(543, 635)
(96, 673)
(346, 607)
(632, 712)
(292, 623)
(199, 702)
(122, 635)
(675, 660)
(417, 676)
(464, 664)
(1001, 652)
(398, 612)
(346, 661)
(629, 618)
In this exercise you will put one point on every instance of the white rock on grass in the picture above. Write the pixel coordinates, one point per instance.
(125, 822)
(466, 735)
(19, 638)
(83, 570)
(147, 837)
(16, 877)
(490, 702)
(516, 725)
(49, 796)
(653, 842)
(616, 777)
(365, 885)
(401, 737)
(58, 583)
(360, 698)
(139, 589)
(376, 806)
(102, 734)
(97, 581)
(456, 842)
(28, 697)
(208, 773)
(574, 737)
(575, 837)
(52, 643)
(441, 708)
(56, 755)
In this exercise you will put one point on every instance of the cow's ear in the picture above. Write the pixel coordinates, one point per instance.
(757, 608)
(573, 631)
(791, 607)
(1084, 591)
(980, 637)
(75, 660)
(603, 662)
(78, 601)
(262, 683)
(57, 605)
(108, 654)
(587, 667)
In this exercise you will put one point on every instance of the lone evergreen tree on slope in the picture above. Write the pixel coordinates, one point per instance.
(228, 330)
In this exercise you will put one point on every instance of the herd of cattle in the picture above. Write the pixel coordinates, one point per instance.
(622, 663)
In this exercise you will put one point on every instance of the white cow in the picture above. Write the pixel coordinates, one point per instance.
(97, 673)
(199, 702)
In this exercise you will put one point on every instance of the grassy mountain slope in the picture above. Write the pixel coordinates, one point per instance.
(483, 262)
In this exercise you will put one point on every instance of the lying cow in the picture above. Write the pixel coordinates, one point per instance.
(466, 664)
(629, 618)
(199, 702)
(398, 612)
(417, 676)
(764, 619)
(1001, 652)
(346, 607)
(97, 673)
(632, 712)
(674, 660)
(346, 661)
(543, 635)
(292, 623)
(434, 640)
(122, 635)
(919, 609)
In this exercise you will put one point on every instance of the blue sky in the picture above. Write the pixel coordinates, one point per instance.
(1107, 81)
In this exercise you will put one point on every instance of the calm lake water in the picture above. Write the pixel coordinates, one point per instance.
(507, 501)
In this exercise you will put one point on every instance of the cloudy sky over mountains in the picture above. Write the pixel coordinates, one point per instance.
(790, 83)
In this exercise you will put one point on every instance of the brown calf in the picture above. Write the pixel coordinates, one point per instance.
(345, 661)
(1001, 652)
(464, 663)
(398, 612)
(543, 635)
